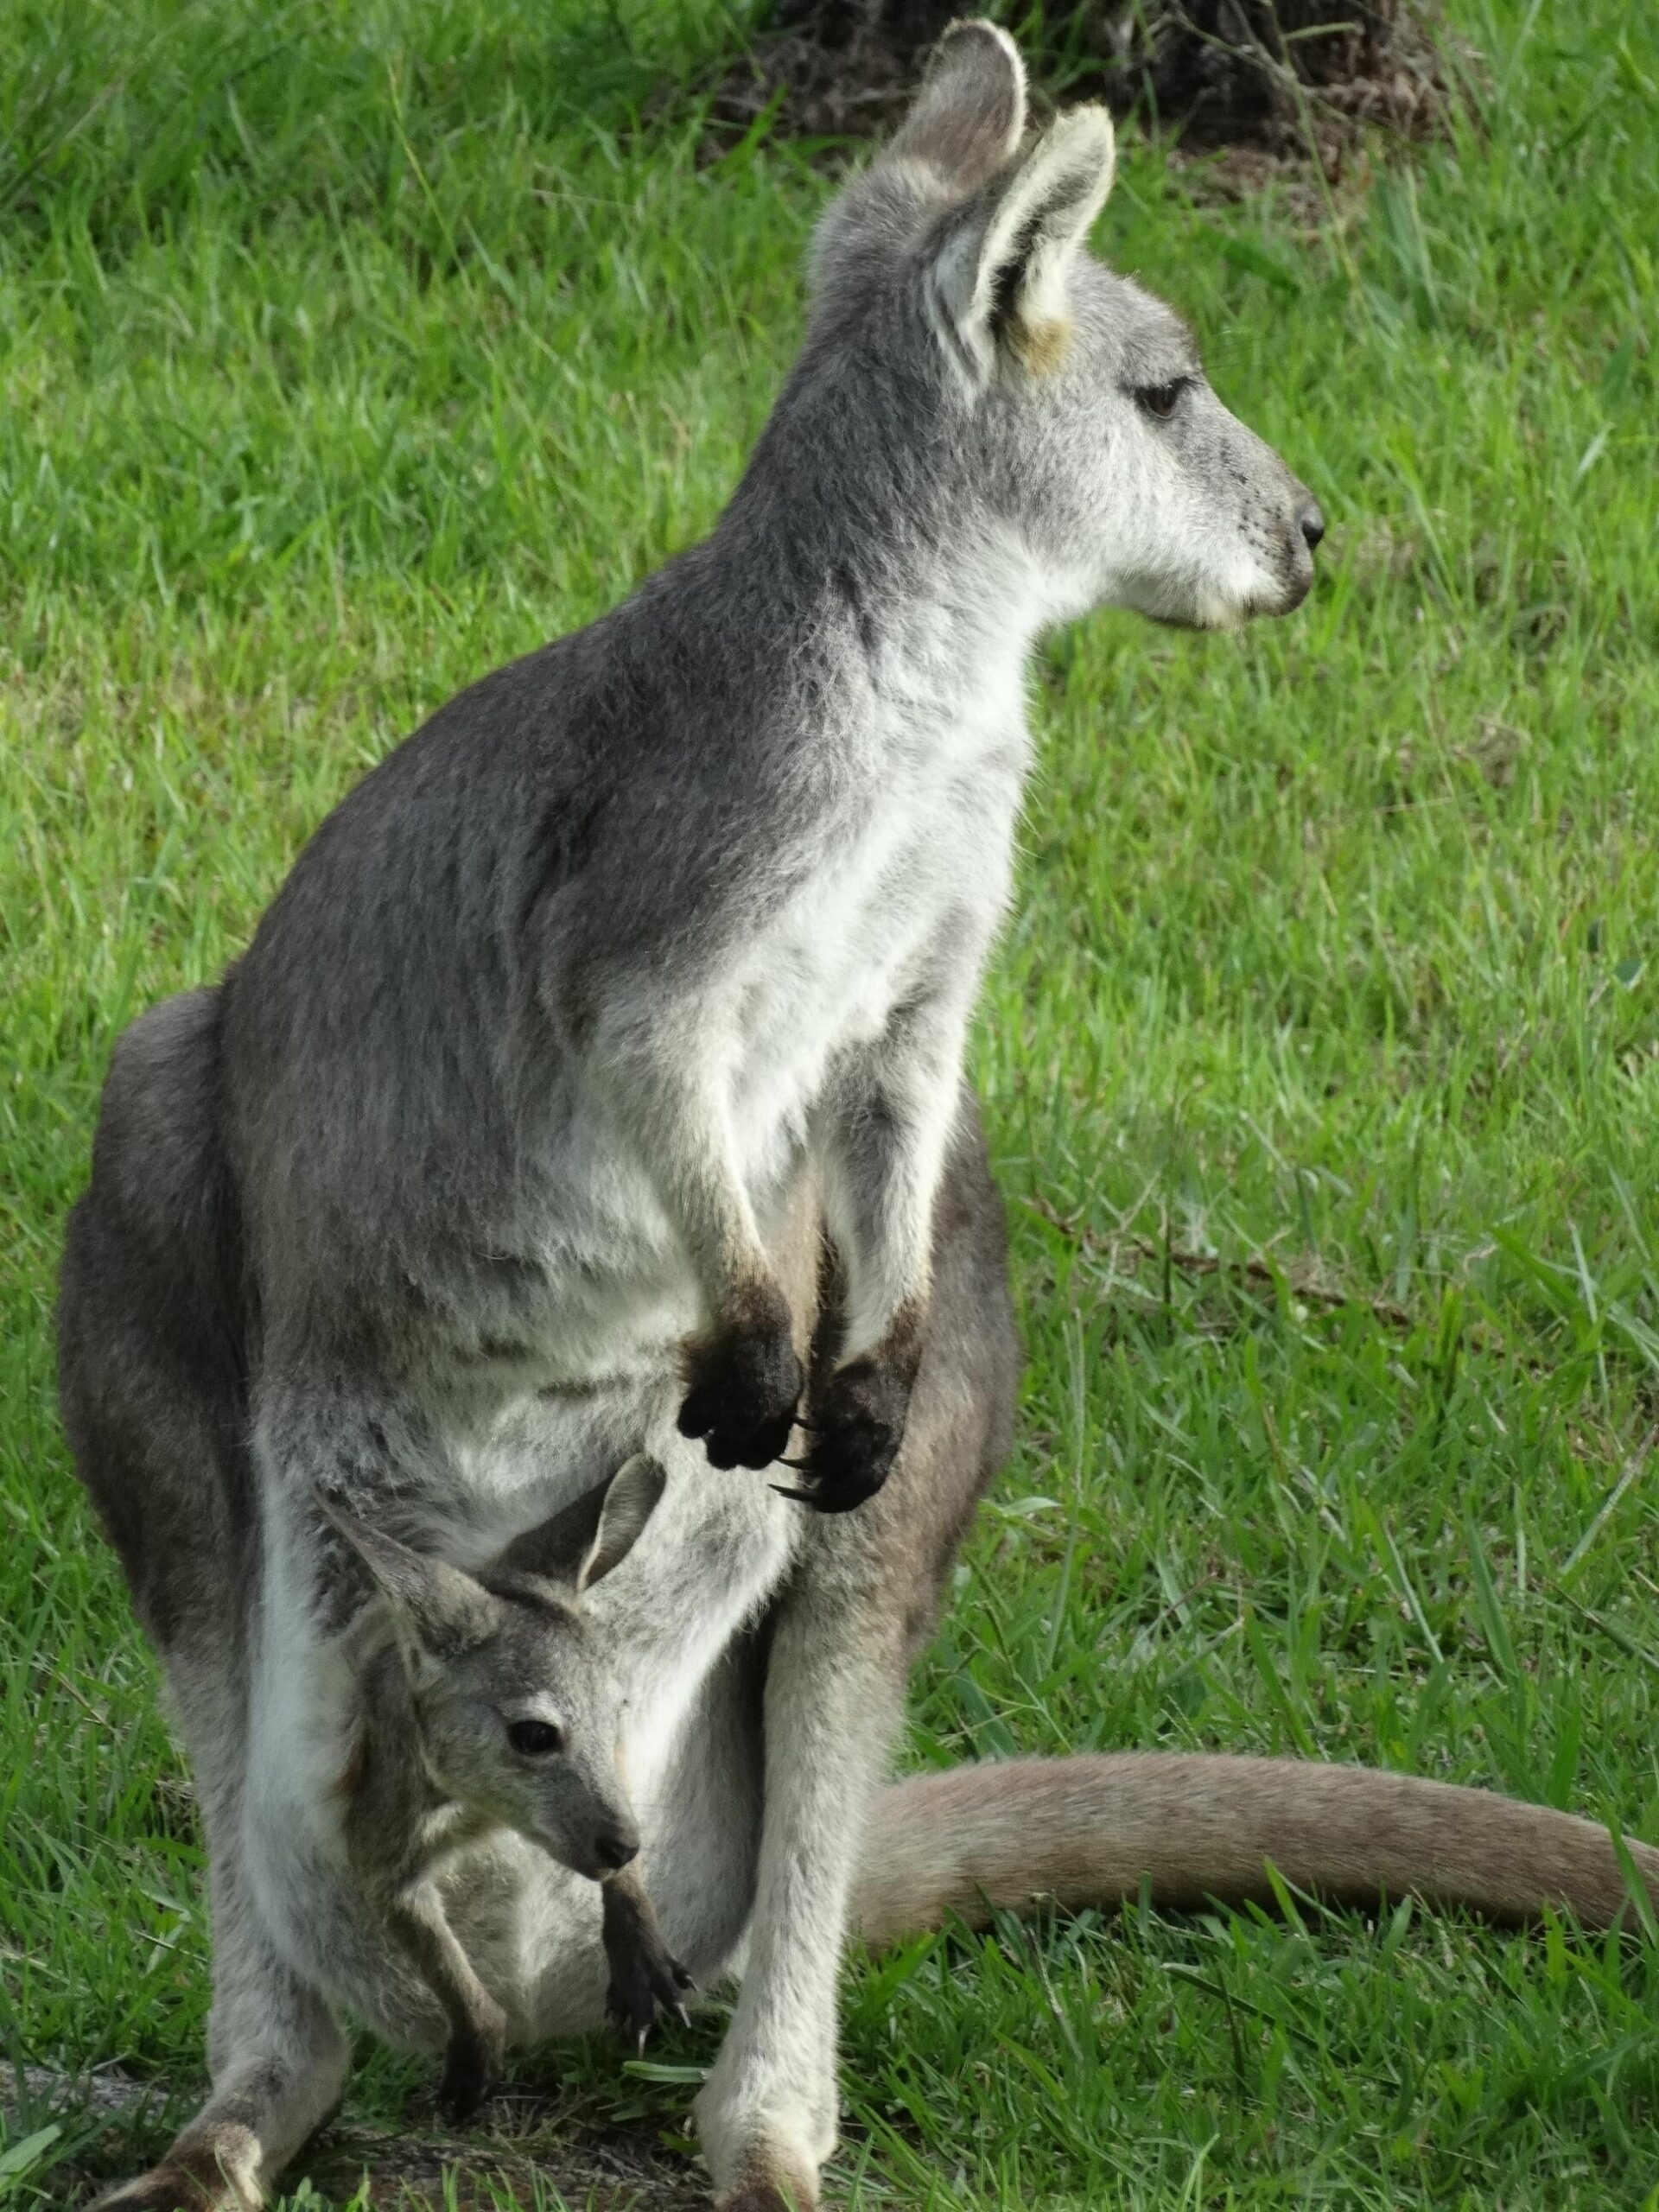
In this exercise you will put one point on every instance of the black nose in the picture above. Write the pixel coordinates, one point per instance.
(615, 1848)
(1312, 523)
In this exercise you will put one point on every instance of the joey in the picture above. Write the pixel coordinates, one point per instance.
(488, 1702)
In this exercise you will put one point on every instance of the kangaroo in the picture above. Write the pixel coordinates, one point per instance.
(483, 1702)
(555, 1006)
(592, 1082)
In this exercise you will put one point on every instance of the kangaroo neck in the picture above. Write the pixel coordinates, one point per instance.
(872, 569)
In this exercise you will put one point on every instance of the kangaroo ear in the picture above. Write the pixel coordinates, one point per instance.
(629, 1503)
(441, 1609)
(554, 1549)
(1000, 275)
(966, 121)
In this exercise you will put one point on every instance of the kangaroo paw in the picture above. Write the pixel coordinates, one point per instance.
(742, 1383)
(646, 1980)
(858, 1425)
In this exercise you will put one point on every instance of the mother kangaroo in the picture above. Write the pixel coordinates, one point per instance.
(592, 1086)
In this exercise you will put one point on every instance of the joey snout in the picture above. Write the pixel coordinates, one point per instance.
(616, 1845)
(595, 1846)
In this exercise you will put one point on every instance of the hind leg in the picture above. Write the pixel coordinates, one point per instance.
(276, 2056)
(834, 1680)
(278, 2063)
(149, 1376)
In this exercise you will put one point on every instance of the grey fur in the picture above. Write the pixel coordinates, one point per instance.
(594, 1078)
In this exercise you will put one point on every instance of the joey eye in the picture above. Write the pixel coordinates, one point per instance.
(535, 1739)
(1161, 400)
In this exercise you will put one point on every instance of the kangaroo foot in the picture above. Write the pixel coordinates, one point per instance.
(211, 2176)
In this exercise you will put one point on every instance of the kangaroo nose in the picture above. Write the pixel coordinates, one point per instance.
(1312, 523)
(615, 1848)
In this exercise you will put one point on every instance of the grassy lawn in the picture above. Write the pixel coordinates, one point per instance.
(347, 350)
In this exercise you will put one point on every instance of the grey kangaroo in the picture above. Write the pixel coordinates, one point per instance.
(486, 1701)
(591, 1083)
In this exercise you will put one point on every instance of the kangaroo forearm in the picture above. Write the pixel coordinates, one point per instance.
(668, 1099)
(885, 1143)
(1095, 1831)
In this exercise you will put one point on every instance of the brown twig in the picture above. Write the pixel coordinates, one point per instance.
(1255, 1270)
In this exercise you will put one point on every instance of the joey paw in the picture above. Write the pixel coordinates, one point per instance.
(470, 2072)
(743, 1381)
(645, 1978)
(854, 1429)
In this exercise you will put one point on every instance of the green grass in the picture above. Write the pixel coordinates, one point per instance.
(347, 350)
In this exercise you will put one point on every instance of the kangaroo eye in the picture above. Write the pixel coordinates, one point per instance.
(535, 1739)
(1162, 399)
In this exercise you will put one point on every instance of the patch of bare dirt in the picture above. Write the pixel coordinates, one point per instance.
(1287, 80)
(610, 2169)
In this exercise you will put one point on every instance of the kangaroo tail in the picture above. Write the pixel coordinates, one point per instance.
(1091, 1830)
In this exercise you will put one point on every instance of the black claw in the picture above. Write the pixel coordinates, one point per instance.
(460, 2097)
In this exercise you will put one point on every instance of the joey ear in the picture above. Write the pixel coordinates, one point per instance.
(443, 1609)
(1000, 275)
(966, 121)
(629, 1503)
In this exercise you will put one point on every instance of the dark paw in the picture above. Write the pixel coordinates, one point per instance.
(743, 1382)
(645, 1977)
(470, 2072)
(649, 1980)
(854, 1430)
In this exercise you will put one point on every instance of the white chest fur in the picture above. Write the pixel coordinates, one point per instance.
(904, 884)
